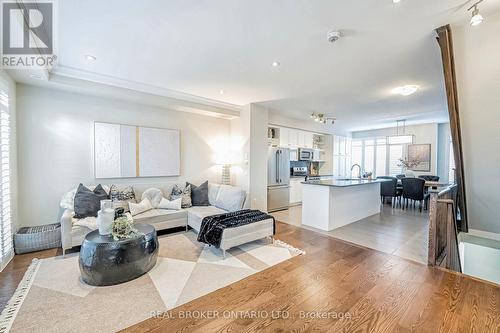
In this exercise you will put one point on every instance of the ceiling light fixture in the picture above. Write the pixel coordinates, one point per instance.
(322, 118)
(221, 92)
(90, 57)
(476, 18)
(406, 90)
(275, 64)
(396, 1)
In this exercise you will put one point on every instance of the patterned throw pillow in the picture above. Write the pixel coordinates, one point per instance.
(122, 196)
(185, 194)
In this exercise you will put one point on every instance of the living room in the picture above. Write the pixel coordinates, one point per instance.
(141, 165)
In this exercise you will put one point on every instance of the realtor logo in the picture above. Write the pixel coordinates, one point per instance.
(27, 34)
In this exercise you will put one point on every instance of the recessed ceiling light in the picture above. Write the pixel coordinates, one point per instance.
(396, 1)
(275, 64)
(90, 57)
(406, 90)
(221, 92)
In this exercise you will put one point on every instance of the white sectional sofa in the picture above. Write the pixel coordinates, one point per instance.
(222, 198)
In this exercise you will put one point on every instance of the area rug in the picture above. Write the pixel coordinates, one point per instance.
(52, 297)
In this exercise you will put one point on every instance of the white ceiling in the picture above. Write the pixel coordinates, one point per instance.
(200, 47)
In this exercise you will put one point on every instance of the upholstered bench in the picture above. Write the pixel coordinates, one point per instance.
(232, 237)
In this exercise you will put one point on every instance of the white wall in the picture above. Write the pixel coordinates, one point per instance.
(258, 157)
(55, 145)
(249, 146)
(477, 54)
(425, 133)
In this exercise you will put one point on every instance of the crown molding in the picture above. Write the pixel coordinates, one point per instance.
(155, 97)
(138, 86)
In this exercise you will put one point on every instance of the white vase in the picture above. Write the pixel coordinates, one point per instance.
(409, 173)
(105, 220)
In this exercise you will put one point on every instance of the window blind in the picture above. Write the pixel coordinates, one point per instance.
(6, 245)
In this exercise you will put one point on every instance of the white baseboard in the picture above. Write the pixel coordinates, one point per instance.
(485, 234)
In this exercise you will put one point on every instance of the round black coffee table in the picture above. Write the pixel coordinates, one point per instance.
(104, 261)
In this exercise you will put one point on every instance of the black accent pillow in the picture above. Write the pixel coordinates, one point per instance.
(87, 202)
(199, 194)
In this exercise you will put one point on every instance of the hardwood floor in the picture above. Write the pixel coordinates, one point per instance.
(335, 286)
(370, 290)
(394, 231)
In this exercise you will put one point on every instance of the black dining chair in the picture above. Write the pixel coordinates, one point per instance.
(413, 189)
(429, 178)
(389, 189)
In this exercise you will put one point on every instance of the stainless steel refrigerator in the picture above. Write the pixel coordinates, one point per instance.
(278, 179)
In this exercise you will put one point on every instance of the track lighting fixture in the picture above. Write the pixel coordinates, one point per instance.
(322, 118)
(476, 18)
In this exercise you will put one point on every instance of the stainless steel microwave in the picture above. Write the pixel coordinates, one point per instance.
(306, 154)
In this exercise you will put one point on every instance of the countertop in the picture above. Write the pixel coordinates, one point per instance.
(344, 182)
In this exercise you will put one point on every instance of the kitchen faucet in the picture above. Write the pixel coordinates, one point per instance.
(359, 166)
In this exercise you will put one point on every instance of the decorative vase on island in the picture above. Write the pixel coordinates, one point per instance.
(409, 174)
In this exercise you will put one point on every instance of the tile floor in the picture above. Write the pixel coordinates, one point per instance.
(399, 232)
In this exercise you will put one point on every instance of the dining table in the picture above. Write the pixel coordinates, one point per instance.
(428, 184)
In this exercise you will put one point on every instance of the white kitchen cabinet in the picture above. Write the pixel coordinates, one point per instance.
(336, 145)
(317, 155)
(294, 154)
(284, 136)
(301, 139)
(308, 140)
(293, 138)
(342, 145)
(296, 190)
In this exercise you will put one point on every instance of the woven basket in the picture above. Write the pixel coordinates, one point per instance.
(30, 239)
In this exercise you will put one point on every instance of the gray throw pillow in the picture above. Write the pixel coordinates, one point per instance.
(199, 194)
(185, 194)
(87, 202)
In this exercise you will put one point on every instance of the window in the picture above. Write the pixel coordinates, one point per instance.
(356, 154)
(395, 153)
(381, 158)
(369, 156)
(6, 246)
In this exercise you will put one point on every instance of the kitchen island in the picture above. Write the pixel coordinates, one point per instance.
(331, 204)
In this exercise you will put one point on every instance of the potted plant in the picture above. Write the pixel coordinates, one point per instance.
(407, 165)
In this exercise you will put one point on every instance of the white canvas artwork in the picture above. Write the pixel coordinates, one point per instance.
(107, 150)
(122, 151)
(153, 142)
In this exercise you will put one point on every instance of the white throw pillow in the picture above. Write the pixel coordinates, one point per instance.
(175, 204)
(230, 198)
(154, 195)
(141, 207)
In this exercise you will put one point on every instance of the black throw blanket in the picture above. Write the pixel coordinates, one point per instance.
(212, 226)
